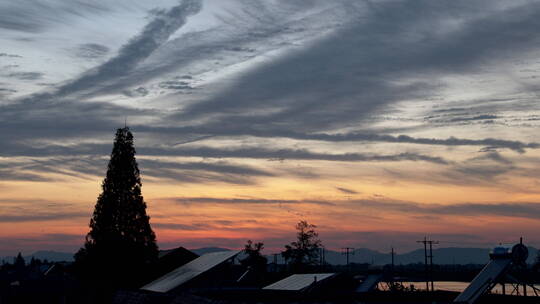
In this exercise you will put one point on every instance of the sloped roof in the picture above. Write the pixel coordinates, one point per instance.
(297, 282)
(189, 271)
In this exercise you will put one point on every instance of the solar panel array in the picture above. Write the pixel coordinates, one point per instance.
(189, 271)
(297, 282)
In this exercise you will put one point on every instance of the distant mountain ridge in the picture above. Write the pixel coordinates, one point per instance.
(448, 256)
(56, 256)
(205, 250)
(49, 255)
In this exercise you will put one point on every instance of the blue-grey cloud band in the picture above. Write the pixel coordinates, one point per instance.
(152, 36)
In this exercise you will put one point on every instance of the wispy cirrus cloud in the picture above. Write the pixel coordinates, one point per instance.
(26, 75)
(503, 209)
(35, 17)
(43, 217)
(213, 200)
(214, 130)
(229, 225)
(92, 166)
(10, 55)
(346, 190)
(38, 210)
(151, 37)
(300, 154)
(91, 50)
(339, 102)
(529, 210)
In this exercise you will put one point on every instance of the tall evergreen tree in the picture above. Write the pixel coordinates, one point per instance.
(120, 241)
(19, 262)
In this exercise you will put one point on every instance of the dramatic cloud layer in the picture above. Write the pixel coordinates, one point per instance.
(274, 111)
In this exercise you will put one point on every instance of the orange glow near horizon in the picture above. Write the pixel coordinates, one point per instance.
(234, 213)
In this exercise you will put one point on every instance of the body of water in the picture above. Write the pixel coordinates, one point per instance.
(460, 286)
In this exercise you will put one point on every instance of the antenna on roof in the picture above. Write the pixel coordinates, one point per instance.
(125, 122)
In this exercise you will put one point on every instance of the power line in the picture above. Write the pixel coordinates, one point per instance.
(428, 267)
(347, 251)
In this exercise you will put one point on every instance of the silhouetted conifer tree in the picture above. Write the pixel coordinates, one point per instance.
(121, 242)
(19, 262)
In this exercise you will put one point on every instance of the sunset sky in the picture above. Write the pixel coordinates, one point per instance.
(378, 121)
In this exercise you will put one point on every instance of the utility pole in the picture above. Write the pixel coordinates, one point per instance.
(392, 273)
(431, 261)
(425, 262)
(393, 253)
(428, 269)
(346, 252)
(321, 258)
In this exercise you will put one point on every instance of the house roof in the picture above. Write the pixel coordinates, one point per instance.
(187, 272)
(297, 282)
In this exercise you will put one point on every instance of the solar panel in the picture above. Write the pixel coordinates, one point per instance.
(369, 283)
(482, 281)
(189, 271)
(299, 281)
